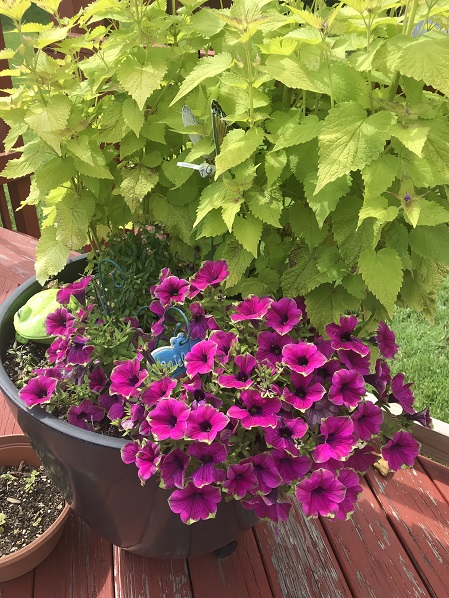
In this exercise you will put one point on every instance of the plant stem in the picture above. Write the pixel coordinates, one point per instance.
(408, 30)
(250, 84)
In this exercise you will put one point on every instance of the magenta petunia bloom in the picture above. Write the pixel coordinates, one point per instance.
(266, 472)
(211, 274)
(204, 423)
(224, 341)
(421, 417)
(302, 358)
(241, 479)
(79, 352)
(246, 364)
(291, 468)
(57, 351)
(209, 455)
(172, 468)
(354, 361)
(59, 323)
(361, 459)
(381, 378)
(386, 341)
(400, 451)
(270, 345)
(75, 289)
(160, 389)
(367, 420)
(200, 359)
(256, 410)
(169, 419)
(252, 308)
(147, 460)
(274, 510)
(347, 388)
(38, 390)
(319, 411)
(199, 324)
(126, 378)
(84, 414)
(193, 503)
(305, 392)
(351, 482)
(342, 338)
(283, 436)
(320, 494)
(129, 452)
(402, 394)
(338, 439)
(171, 290)
(196, 388)
(283, 315)
(97, 379)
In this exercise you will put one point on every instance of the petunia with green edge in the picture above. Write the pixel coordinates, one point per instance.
(193, 503)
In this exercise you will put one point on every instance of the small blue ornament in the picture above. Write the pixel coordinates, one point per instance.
(175, 353)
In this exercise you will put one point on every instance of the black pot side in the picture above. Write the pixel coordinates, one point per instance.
(105, 492)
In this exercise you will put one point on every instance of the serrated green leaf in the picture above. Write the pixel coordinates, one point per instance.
(274, 165)
(436, 150)
(51, 256)
(355, 286)
(176, 219)
(72, 221)
(15, 10)
(230, 210)
(350, 140)
(382, 274)
(348, 84)
(292, 73)
(80, 147)
(213, 225)
(205, 69)
(351, 240)
(326, 304)
(98, 169)
(431, 242)
(140, 80)
(304, 275)
(431, 213)
(136, 183)
(325, 201)
(133, 116)
(419, 291)
(51, 36)
(266, 206)
(380, 174)
(32, 157)
(305, 226)
(7, 53)
(378, 208)
(396, 237)
(412, 136)
(238, 260)
(54, 173)
(49, 120)
(296, 134)
(112, 125)
(238, 146)
(248, 232)
(213, 196)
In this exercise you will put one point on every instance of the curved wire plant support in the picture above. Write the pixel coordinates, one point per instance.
(118, 283)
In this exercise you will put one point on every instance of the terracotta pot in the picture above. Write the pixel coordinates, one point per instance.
(13, 450)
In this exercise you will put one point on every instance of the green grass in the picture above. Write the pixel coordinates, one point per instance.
(424, 356)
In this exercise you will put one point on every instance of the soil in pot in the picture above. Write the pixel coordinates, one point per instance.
(29, 504)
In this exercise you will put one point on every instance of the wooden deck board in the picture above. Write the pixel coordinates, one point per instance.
(397, 544)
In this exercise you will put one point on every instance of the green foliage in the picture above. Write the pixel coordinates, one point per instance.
(332, 180)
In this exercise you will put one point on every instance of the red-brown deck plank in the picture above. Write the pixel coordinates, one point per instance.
(439, 474)
(22, 587)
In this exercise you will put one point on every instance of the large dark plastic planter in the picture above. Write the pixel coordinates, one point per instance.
(102, 490)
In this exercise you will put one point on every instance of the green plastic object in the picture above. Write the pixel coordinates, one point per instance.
(29, 321)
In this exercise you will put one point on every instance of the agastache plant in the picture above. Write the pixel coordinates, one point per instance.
(264, 408)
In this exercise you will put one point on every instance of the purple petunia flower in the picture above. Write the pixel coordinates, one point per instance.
(338, 439)
(160, 389)
(270, 345)
(354, 361)
(172, 468)
(381, 378)
(402, 394)
(79, 352)
(204, 423)
(200, 397)
(351, 482)
(169, 419)
(320, 410)
(199, 324)
(252, 308)
(97, 379)
(211, 274)
(200, 359)
(75, 289)
(209, 455)
(320, 494)
(283, 436)
(129, 452)
(126, 378)
(38, 390)
(266, 472)
(347, 388)
(361, 459)
(224, 341)
(291, 468)
(246, 364)
(241, 479)
(193, 503)
(401, 450)
(342, 338)
(57, 351)
(274, 510)
(84, 414)
(283, 315)
(304, 392)
(367, 420)
(171, 290)
(256, 410)
(302, 358)
(421, 417)
(147, 460)
(386, 341)
(59, 323)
